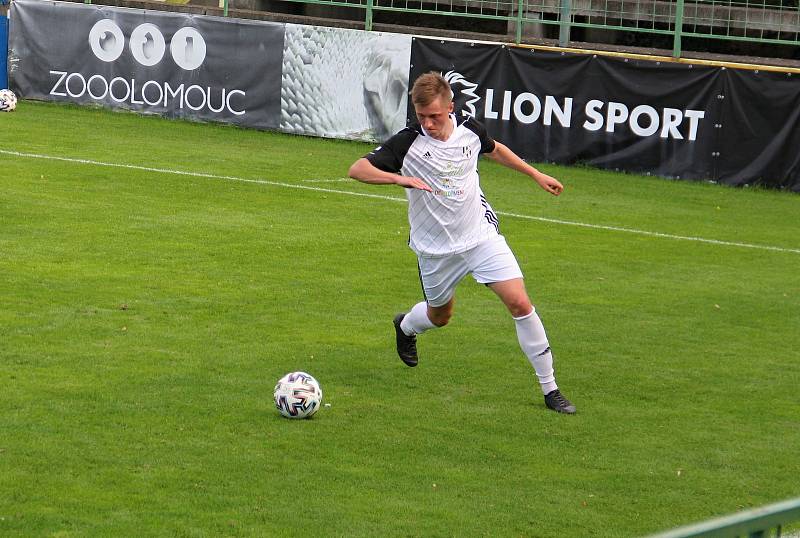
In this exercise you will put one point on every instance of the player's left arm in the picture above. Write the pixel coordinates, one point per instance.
(503, 155)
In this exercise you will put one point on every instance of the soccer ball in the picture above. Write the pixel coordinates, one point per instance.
(8, 101)
(297, 395)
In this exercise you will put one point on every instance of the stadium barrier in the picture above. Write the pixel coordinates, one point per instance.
(755, 523)
(674, 119)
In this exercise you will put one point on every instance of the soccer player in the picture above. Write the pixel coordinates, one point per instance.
(454, 230)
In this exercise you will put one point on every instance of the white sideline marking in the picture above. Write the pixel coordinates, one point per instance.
(654, 234)
(197, 174)
(394, 199)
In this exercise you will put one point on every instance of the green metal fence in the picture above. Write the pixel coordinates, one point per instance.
(765, 21)
(761, 522)
(760, 21)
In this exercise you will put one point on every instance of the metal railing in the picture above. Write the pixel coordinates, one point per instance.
(755, 21)
(755, 523)
(763, 21)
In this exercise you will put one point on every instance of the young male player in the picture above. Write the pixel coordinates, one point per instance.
(454, 230)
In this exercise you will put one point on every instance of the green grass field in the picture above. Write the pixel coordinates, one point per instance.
(145, 317)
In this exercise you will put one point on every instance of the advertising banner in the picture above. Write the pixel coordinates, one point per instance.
(760, 129)
(667, 119)
(568, 108)
(171, 64)
(344, 83)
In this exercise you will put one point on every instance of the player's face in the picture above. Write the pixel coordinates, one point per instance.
(435, 118)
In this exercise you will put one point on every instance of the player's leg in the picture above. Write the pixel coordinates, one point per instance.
(533, 340)
(439, 278)
(530, 331)
(424, 316)
(496, 266)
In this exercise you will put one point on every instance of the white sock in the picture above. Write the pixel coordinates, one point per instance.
(533, 341)
(417, 321)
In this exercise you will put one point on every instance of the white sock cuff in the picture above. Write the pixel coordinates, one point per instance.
(526, 316)
(417, 321)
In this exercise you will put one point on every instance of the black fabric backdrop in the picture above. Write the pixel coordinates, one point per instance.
(749, 132)
(238, 80)
(761, 129)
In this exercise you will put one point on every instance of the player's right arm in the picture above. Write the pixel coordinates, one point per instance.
(383, 164)
(366, 172)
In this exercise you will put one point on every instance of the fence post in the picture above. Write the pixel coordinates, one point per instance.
(368, 20)
(676, 43)
(565, 22)
(520, 5)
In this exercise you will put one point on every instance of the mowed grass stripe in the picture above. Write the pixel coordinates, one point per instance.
(393, 199)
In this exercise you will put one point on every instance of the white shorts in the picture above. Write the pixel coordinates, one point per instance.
(491, 261)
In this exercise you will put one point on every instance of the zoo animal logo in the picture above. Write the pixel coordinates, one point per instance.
(147, 44)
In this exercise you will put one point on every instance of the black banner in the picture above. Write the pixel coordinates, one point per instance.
(172, 64)
(760, 129)
(669, 119)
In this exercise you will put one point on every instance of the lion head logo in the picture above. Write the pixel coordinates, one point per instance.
(468, 98)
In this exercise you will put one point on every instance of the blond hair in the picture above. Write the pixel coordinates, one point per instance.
(430, 87)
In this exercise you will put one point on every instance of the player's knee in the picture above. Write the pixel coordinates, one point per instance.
(520, 307)
(440, 318)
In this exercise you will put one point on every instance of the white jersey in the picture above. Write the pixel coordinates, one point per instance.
(455, 217)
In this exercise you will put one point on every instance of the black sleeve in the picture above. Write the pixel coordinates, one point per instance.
(487, 142)
(389, 155)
